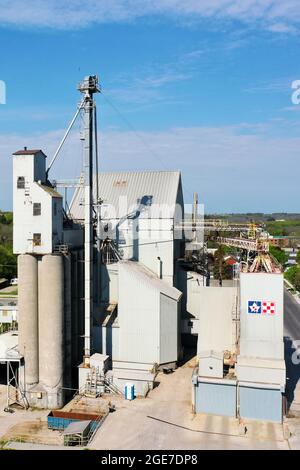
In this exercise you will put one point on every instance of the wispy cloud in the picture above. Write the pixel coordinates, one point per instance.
(233, 167)
(149, 85)
(280, 85)
(147, 89)
(282, 28)
(276, 15)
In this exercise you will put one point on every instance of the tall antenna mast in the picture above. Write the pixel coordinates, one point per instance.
(88, 87)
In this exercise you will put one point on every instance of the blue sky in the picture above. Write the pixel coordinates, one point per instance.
(200, 86)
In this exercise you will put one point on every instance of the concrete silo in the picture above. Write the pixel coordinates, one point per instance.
(28, 317)
(51, 328)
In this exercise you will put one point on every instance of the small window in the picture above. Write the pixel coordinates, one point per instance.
(21, 182)
(36, 239)
(36, 208)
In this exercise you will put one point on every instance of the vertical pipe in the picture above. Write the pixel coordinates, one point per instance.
(194, 217)
(67, 322)
(88, 224)
(98, 210)
(88, 87)
(75, 296)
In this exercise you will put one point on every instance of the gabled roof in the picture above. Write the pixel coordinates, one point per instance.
(50, 190)
(149, 277)
(146, 187)
(29, 152)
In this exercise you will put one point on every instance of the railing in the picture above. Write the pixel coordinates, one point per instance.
(95, 425)
(63, 249)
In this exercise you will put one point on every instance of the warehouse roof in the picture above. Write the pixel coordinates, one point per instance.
(145, 187)
(25, 151)
(76, 427)
(8, 346)
(50, 190)
(144, 274)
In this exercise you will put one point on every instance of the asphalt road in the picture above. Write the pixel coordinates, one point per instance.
(291, 317)
(291, 334)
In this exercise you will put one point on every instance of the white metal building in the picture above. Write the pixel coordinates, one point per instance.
(38, 219)
(148, 313)
(253, 386)
(260, 366)
(140, 211)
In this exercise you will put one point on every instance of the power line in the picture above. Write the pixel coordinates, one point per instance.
(139, 136)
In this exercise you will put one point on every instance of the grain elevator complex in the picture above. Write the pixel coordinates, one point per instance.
(112, 290)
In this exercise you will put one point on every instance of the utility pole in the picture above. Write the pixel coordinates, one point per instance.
(88, 87)
(195, 216)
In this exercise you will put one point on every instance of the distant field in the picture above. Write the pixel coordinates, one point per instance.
(276, 224)
(288, 227)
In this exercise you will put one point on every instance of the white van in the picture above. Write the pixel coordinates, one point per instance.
(14, 281)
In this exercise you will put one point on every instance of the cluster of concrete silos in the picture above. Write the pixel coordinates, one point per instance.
(43, 312)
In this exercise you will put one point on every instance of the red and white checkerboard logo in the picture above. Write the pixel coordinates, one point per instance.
(268, 307)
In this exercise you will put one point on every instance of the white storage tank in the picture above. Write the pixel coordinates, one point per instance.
(51, 308)
(28, 317)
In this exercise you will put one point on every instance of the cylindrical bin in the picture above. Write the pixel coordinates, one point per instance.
(28, 316)
(51, 327)
(129, 391)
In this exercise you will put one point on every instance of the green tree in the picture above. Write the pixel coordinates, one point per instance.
(297, 279)
(8, 262)
(279, 254)
(8, 218)
(290, 274)
(221, 269)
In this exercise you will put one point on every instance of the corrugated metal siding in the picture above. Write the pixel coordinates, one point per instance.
(261, 404)
(215, 318)
(262, 335)
(142, 274)
(163, 186)
(168, 330)
(138, 313)
(216, 399)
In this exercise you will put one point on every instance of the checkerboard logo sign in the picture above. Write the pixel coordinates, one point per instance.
(254, 306)
(263, 307)
(268, 307)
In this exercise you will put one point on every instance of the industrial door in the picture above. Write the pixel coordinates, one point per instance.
(216, 398)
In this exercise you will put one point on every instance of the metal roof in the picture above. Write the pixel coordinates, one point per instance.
(29, 152)
(8, 346)
(137, 269)
(76, 427)
(50, 191)
(154, 187)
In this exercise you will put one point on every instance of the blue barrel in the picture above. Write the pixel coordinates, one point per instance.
(129, 391)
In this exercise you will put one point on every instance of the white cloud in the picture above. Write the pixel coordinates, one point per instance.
(277, 15)
(282, 28)
(233, 168)
(280, 85)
